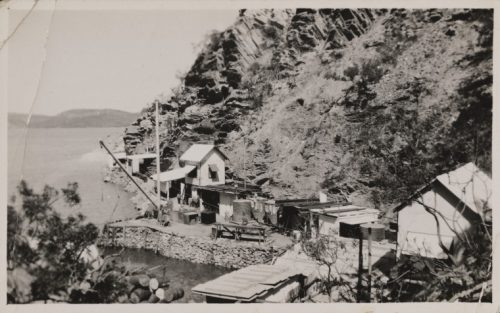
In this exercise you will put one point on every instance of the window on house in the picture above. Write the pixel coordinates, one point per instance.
(213, 172)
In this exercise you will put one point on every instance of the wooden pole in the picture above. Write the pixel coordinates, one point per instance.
(360, 267)
(369, 264)
(244, 163)
(158, 162)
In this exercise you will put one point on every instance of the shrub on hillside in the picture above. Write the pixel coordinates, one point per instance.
(371, 71)
(271, 32)
(351, 71)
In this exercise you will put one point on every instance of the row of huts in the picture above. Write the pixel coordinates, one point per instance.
(452, 202)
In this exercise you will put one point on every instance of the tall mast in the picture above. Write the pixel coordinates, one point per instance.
(158, 159)
(244, 163)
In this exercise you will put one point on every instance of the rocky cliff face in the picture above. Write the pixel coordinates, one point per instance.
(364, 103)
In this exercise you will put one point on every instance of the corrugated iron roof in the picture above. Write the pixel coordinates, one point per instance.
(141, 156)
(338, 209)
(248, 283)
(363, 212)
(232, 189)
(469, 184)
(175, 174)
(360, 220)
(321, 205)
(197, 152)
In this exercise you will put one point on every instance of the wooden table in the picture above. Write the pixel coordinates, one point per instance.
(189, 217)
(239, 230)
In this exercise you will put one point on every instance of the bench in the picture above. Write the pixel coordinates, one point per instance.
(238, 230)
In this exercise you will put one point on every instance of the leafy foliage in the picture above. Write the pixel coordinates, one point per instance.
(466, 276)
(325, 250)
(49, 248)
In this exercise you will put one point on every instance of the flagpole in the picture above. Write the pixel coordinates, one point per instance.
(158, 161)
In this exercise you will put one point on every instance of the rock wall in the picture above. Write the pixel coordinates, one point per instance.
(369, 104)
(221, 252)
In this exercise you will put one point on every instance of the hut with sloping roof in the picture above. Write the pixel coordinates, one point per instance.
(210, 164)
(200, 165)
(450, 205)
(255, 283)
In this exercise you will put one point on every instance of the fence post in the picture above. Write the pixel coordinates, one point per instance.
(360, 268)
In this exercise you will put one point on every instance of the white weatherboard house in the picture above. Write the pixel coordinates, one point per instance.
(452, 202)
(201, 165)
(209, 162)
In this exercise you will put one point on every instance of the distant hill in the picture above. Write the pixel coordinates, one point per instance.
(18, 120)
(75, 118)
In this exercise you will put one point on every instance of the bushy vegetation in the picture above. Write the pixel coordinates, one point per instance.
(45, 252)
(205, 127)
(352, 71)
(271, 32)
(465, 276)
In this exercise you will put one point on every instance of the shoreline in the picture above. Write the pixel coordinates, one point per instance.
(191, 243)
(170, 243)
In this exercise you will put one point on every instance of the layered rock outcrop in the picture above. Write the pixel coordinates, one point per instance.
(354, 102)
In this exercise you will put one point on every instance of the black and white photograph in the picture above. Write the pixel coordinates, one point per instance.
(163, 154)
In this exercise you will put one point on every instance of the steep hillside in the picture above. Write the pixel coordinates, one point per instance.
(364, 103)
(75, 118)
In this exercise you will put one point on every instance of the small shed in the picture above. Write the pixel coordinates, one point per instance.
(343, 220)
(120, 156)
(452, 203)
(255, 283)
(295, 214)
(136, 163)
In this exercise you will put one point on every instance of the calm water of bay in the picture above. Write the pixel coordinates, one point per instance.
(56, 156)
(180, 273)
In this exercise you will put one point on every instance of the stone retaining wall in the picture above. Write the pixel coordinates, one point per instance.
(222, 252)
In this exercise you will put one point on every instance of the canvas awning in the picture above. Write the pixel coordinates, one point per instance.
(178, 173)
(213, 167)
(120, 155)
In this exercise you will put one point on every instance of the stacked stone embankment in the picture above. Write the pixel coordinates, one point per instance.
(221, 252)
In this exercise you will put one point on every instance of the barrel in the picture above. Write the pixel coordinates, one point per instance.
(378, 231)
(258, 209)
(271, 211)
(242, 211)
(296, 235)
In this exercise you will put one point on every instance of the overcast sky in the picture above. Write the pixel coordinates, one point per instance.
(103, 58)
